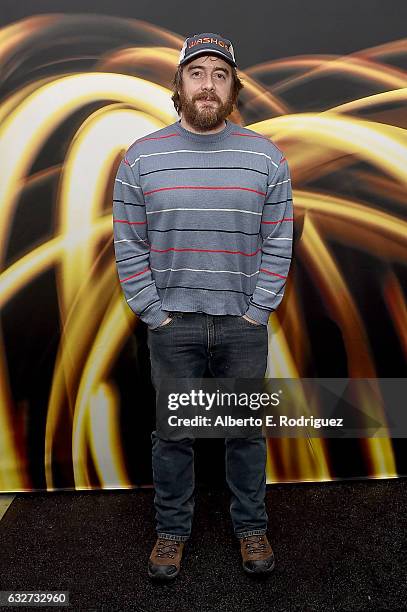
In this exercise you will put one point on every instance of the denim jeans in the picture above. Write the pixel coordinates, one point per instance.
(230, 346)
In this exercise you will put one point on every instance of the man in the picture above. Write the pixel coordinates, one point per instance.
(202, 235)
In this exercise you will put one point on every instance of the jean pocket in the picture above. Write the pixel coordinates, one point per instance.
(250, 323)
(163, 327)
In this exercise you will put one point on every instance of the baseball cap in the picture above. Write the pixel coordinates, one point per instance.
(199, 44)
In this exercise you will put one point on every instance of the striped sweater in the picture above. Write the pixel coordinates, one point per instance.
(203, 223)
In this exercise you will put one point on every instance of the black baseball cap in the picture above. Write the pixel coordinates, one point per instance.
(199, 44)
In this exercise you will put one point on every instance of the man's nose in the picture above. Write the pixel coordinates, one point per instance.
(208, 83)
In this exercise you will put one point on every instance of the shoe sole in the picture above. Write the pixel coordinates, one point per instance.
(162, 577)
(261, 572)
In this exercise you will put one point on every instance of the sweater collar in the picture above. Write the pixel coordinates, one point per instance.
(204, 138)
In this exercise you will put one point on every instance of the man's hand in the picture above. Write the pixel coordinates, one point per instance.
(167, 320)
(251, 320)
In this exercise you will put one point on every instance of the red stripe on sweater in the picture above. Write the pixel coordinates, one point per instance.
(249, 135)
(200, 187)
(133, 275)
(129, 222)
(272, 273)
(286, 219)
(154, 138)
(207, 251)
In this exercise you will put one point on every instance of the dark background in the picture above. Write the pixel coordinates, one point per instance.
(259, 30)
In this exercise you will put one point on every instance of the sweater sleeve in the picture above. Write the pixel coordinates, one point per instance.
(276, 232)
(131, 246)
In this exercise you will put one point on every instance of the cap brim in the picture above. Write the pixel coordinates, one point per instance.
(208, 52)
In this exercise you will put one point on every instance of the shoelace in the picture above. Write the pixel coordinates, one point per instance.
(166, 547)
(255, 545)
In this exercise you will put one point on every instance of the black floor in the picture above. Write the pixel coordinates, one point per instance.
(338, 546)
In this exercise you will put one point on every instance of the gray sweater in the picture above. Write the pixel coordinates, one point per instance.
(203, 223)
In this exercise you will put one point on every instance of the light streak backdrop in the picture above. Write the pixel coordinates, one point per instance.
(76, 403)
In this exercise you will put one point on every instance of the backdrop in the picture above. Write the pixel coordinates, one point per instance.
(79, 82)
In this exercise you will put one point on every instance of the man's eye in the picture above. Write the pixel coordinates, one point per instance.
(221, 75)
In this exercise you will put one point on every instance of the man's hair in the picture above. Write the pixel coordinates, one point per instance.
(237, 85)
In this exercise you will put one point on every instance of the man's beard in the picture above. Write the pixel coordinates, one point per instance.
(203, 117)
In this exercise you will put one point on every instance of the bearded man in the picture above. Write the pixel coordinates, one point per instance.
(203, 238)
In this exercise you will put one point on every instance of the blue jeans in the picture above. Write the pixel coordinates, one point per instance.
(233, 347)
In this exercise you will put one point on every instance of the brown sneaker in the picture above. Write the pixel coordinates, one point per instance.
(257, 554)
(165, 560)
